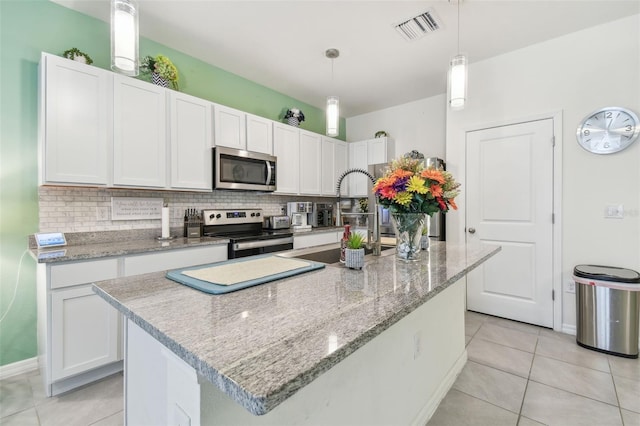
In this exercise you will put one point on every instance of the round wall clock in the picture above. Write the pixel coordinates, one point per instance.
(608, 130)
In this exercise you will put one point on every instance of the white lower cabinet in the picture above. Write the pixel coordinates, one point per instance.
(316, 239)
(153, 262)
(80, 336)
(84, 332)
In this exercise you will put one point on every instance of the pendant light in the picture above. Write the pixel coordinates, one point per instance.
(124, 37)
(333, 102)
(458, 74)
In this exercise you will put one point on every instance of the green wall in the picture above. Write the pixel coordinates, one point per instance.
(28, 27)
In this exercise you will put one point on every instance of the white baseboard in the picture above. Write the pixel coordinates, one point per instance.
(20, 367)
(569, 329)
(431, 406)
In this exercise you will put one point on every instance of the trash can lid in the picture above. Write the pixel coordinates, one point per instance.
(607, 273)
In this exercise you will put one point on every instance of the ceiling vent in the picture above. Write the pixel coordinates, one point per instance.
(418, 26)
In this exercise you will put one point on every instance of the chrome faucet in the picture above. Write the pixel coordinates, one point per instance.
(373, 230)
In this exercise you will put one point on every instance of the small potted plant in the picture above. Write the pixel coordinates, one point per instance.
(294, 117)
(163, 72)
(354, 253)
(75, 55)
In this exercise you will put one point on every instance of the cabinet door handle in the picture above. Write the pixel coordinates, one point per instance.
(472, 230)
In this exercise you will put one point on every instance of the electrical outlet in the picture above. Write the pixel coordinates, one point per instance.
(102, 213)
(571, 287)
(417, 344)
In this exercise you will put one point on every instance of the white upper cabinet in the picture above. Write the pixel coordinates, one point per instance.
(191, 140)
(140, 133)
(75, 122)
(286, 147)
(341, 156)
(259, 134)
(380, 150)
(328, 167)
(229, 125)
(310, 163)
(358, 159)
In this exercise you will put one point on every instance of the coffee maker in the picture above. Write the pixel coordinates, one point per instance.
(301, 214)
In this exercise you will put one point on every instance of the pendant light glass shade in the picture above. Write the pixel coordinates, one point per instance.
(333, 116)
(124, 37)
(458, 82)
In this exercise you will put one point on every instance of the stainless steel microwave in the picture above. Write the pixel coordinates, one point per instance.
(243, 170)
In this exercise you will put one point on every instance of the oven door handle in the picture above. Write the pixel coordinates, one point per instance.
(262, 243)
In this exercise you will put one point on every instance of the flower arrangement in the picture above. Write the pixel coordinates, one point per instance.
(162, 66)
(294, 113)
(408, 187)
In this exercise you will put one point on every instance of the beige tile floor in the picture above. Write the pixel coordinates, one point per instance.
(517, 374)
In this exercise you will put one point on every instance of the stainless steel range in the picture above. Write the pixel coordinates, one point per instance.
(243, 227)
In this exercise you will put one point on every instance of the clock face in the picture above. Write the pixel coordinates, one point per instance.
(608, 130)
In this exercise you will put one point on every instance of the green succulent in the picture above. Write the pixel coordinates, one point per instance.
(355, 241)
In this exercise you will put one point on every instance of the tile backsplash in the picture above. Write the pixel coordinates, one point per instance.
(71, 209)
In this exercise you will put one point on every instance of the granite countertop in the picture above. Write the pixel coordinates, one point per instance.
(262, 344)
(95, 245)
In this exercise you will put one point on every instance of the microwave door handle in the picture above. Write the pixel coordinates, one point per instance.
(268, 172)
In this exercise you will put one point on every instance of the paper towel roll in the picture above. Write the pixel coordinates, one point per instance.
(165, 222)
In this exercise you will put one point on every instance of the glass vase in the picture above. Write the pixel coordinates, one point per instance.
(408, 228)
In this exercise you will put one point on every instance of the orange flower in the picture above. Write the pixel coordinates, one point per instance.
(433, 175)
(453, 204)
(400, 173)
(436, 190)
(382, 183)
(388, 192)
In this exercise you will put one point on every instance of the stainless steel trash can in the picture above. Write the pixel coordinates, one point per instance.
(607, 309)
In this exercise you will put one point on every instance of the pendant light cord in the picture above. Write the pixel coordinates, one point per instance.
(459, 27)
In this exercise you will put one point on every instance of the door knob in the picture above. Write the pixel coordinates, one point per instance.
(472, 230)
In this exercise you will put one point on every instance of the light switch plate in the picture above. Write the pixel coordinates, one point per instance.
(614, 211)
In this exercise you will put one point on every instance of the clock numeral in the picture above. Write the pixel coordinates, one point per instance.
(628, 128)
(608, 114)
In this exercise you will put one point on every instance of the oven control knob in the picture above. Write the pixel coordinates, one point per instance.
(258, 214)
(253, 215)
(212, 216)
(218, 216)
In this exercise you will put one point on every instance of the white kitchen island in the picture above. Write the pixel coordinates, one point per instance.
(335, 346)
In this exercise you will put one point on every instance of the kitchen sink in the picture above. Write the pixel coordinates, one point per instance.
(332, 255)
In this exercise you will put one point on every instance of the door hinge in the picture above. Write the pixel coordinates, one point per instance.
(553, 141)
(553, 295)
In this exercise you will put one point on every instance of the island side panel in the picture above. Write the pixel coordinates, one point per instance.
(399, 377)
(160, 388)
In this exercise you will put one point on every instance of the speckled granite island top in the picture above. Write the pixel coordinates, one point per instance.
(262, 344)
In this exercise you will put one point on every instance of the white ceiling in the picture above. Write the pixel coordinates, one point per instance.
(281, 44)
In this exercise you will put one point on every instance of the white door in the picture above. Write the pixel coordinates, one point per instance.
(509, 191)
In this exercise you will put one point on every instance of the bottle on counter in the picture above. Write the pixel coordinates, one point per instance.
(343, 242)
